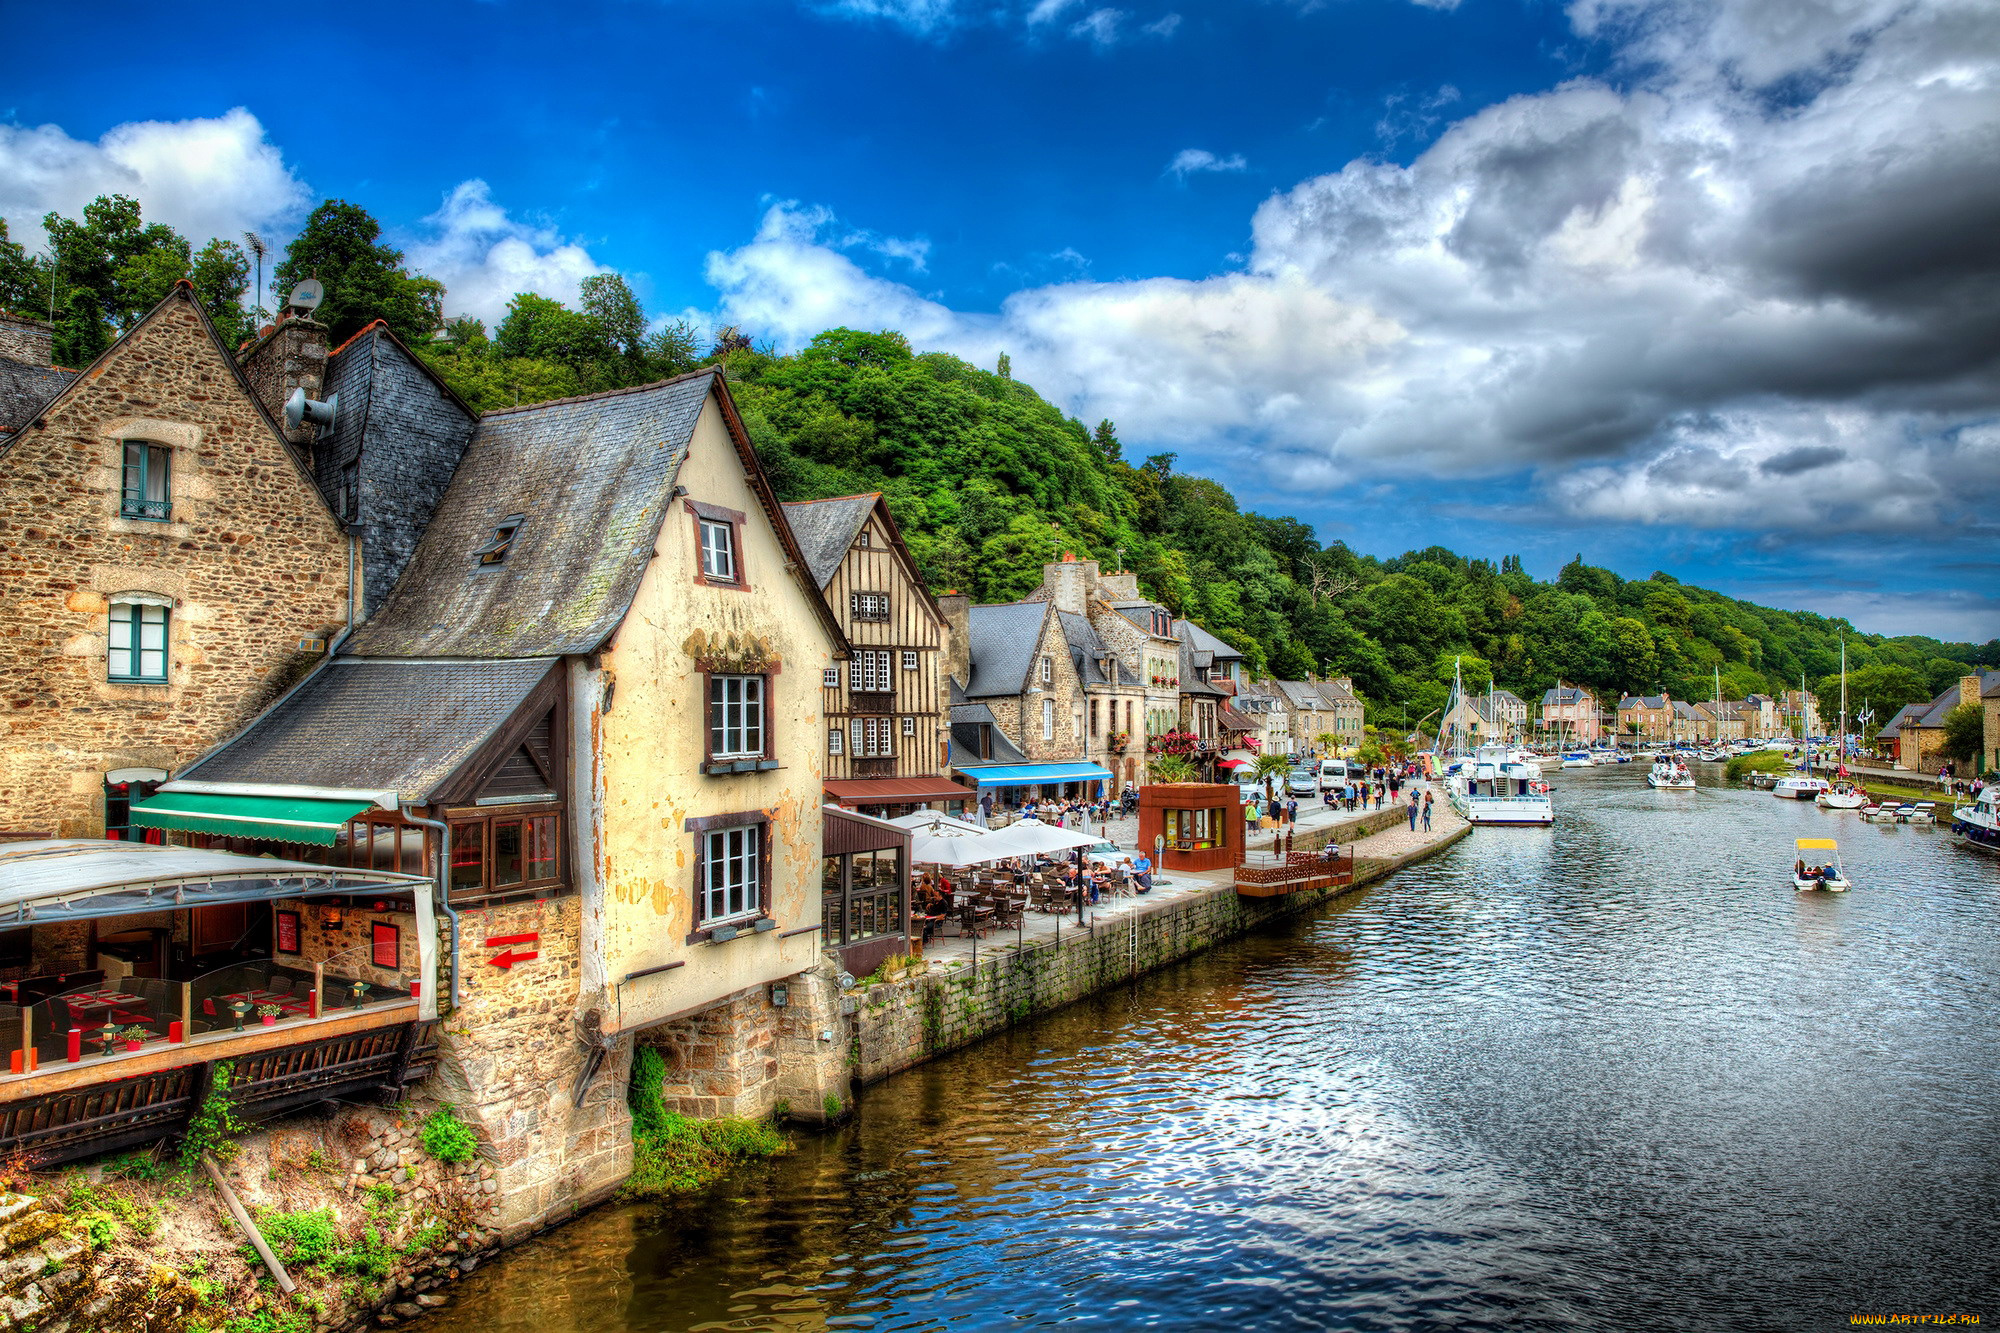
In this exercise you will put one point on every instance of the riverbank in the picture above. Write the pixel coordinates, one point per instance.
(971, 990)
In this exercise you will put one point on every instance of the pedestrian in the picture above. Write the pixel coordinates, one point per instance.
(1413, 811)
(985, 808)
(1291, 812)
(1428, 798)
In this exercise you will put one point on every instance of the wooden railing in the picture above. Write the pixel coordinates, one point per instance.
(74, 1111)
(1272, 875)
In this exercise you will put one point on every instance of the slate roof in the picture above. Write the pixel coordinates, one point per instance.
(1563, 696)
(1906, 714)
(1335, 695)
(965, 720)
(826, 529)
(1301, 694)
(25, 390)
(592, 477)
(1001, 644)
(371, 724)
(1642, 701)
(1229, 719)
(1933, 712)
(1191, 681)
(1087, 651)
(1201, 640)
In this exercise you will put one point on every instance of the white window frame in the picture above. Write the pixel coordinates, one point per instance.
(732, 867)
(836, 741)
(909, 659)
(909, 726)
(144, 628)
(718, 549)
(869, 606)
(1048, 670)
(874, 738)
(737, 720)
(1048, 719)
(872, 671)
(830, 678)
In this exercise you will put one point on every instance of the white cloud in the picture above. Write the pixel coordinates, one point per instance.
(1163, 27)
(203, 177)
(1757, 285)
(1190, 161)
(1048, 11)
(1099, 26)
(922, 17)
(483, 256)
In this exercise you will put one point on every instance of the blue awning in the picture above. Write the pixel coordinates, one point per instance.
(1029, 775)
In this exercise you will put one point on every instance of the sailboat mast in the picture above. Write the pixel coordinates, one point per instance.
(1843, 699)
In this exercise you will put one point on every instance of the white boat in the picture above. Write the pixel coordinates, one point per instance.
(1713, 756)
(1922, 812)
(1670, 773)
(1978, 824)
(1885, 813)
(1496, 787)
(1800, 787)
(1842, 795)
(1829, 874)
(1577, 759)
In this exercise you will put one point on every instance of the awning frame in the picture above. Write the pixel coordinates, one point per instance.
(1025, 775)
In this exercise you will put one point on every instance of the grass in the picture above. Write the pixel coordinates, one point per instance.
(672, 1154)
(1758, 761)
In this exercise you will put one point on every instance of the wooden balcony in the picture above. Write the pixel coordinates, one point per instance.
(874, 768)
(872, 701)
(102, 1103)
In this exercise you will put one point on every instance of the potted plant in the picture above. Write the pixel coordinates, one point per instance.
(268, 1013)
(135, 1036)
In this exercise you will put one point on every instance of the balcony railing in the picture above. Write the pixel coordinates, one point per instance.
(138, 506)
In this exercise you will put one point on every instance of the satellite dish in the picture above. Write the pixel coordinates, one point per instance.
(307, 296)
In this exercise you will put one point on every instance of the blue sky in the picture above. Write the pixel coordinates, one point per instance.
(1517, 277)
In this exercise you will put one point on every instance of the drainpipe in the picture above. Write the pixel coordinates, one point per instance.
(443, 892)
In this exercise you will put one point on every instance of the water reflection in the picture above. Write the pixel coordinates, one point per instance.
(1616, 1074)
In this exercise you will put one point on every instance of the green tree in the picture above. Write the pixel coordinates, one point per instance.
(81, 332)
(220, 275)
(1964, 733)
(24, 284)
(365, 279)
(1633, 656)
(1105, 437)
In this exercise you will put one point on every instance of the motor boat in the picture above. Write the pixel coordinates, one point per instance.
(1671, 773)
(1978, 824)
(1496, 787)
(1884, 813)
(1800, 787)
(1577, 759)
(1921, 812)
(1828, 874)
(1713, 756)
(1842, 795)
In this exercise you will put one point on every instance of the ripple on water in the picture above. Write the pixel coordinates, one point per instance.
(1611, 1075)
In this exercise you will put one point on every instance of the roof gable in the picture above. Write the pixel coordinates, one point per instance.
(1002, 643)
(826, 529)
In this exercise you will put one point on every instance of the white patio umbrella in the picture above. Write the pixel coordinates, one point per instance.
(1033, 836)
(941, 846)
(937, 821)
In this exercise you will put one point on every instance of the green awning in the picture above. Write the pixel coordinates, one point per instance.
(282, 819)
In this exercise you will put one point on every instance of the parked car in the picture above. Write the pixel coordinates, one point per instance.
(1303, 782)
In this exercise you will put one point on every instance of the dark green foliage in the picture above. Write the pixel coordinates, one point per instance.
(214, 1127)
(24, 286)
(448, 1138)
(1964, 732)
(365, 280)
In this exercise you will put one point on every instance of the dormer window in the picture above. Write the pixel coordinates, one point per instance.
(718, 546)
(718, 550)
(146, 483)
(495, 551)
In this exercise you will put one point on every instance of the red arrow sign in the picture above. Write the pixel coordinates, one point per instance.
(507, 958)
(496, 941)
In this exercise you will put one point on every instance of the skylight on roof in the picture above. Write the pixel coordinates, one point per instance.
(495, 551)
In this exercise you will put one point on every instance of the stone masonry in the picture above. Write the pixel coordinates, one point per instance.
(746, 1056)
(30, 341)
(252, 560)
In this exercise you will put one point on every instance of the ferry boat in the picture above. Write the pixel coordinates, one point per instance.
(1497, 786)
(1829, 875)
(1670, 773)
(1978, 824)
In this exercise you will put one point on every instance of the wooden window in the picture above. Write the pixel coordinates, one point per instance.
(1048, 670)
(718, 543)
(909, 726)
(718, 550)
(868, 605)
(736, 727)
(862, 540)
(871, 672)
(874, 737)
(1048, 719)
(732, 869)
(492, 856)
(830, 678)
(146, 491)
(836, 740)
(494, 552)
(137, 646)
(909, 659)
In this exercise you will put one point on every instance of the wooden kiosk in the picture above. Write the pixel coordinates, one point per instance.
(1201, 822)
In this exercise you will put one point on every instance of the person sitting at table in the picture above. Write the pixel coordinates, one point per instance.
(1142, 873)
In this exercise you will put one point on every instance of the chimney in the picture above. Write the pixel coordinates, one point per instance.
(1345, 683)
(1123, 586)
(288, 355)
(957, 610)
(1968, 689)
(1068, 583)
(29, 341)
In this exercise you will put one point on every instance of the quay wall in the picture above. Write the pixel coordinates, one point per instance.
(898, 1025)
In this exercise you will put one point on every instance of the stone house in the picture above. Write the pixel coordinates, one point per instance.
(1760, 715)
(595, 692)
(1349, 715)
(1647, 716)
(887, 713)
(1798, 713)
(1917, 733)
(1479, 720)
(1569, 714)
(1267, 711)
(167, 567)
(1309, 714)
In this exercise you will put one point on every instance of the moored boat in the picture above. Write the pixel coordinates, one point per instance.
(1978, 824)
(1800, 787)
(1669, 773)
(1842, 795)
(1828, 874)
(1920, 812)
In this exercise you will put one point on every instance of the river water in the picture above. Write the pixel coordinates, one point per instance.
(1613, 1075)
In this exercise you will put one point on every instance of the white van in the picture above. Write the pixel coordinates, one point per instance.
(1334, 773)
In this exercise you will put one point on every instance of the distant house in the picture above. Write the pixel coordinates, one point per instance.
(1916, 733)
(1569, 715)
(1647, 716)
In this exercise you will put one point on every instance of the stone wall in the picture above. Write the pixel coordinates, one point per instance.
(30, 341)
(288, 356)
(510, 1059)
(750, 1057)
(253, 562)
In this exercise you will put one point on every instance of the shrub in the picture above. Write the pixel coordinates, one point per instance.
(448, 1138)
(301, 1240)
(672, 1154)
(214, 1127)
(99, 1228)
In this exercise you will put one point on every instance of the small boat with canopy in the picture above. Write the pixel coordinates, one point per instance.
(1809, 871)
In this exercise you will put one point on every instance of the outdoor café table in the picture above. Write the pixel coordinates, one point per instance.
(291, 1004)
(107, 1004)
